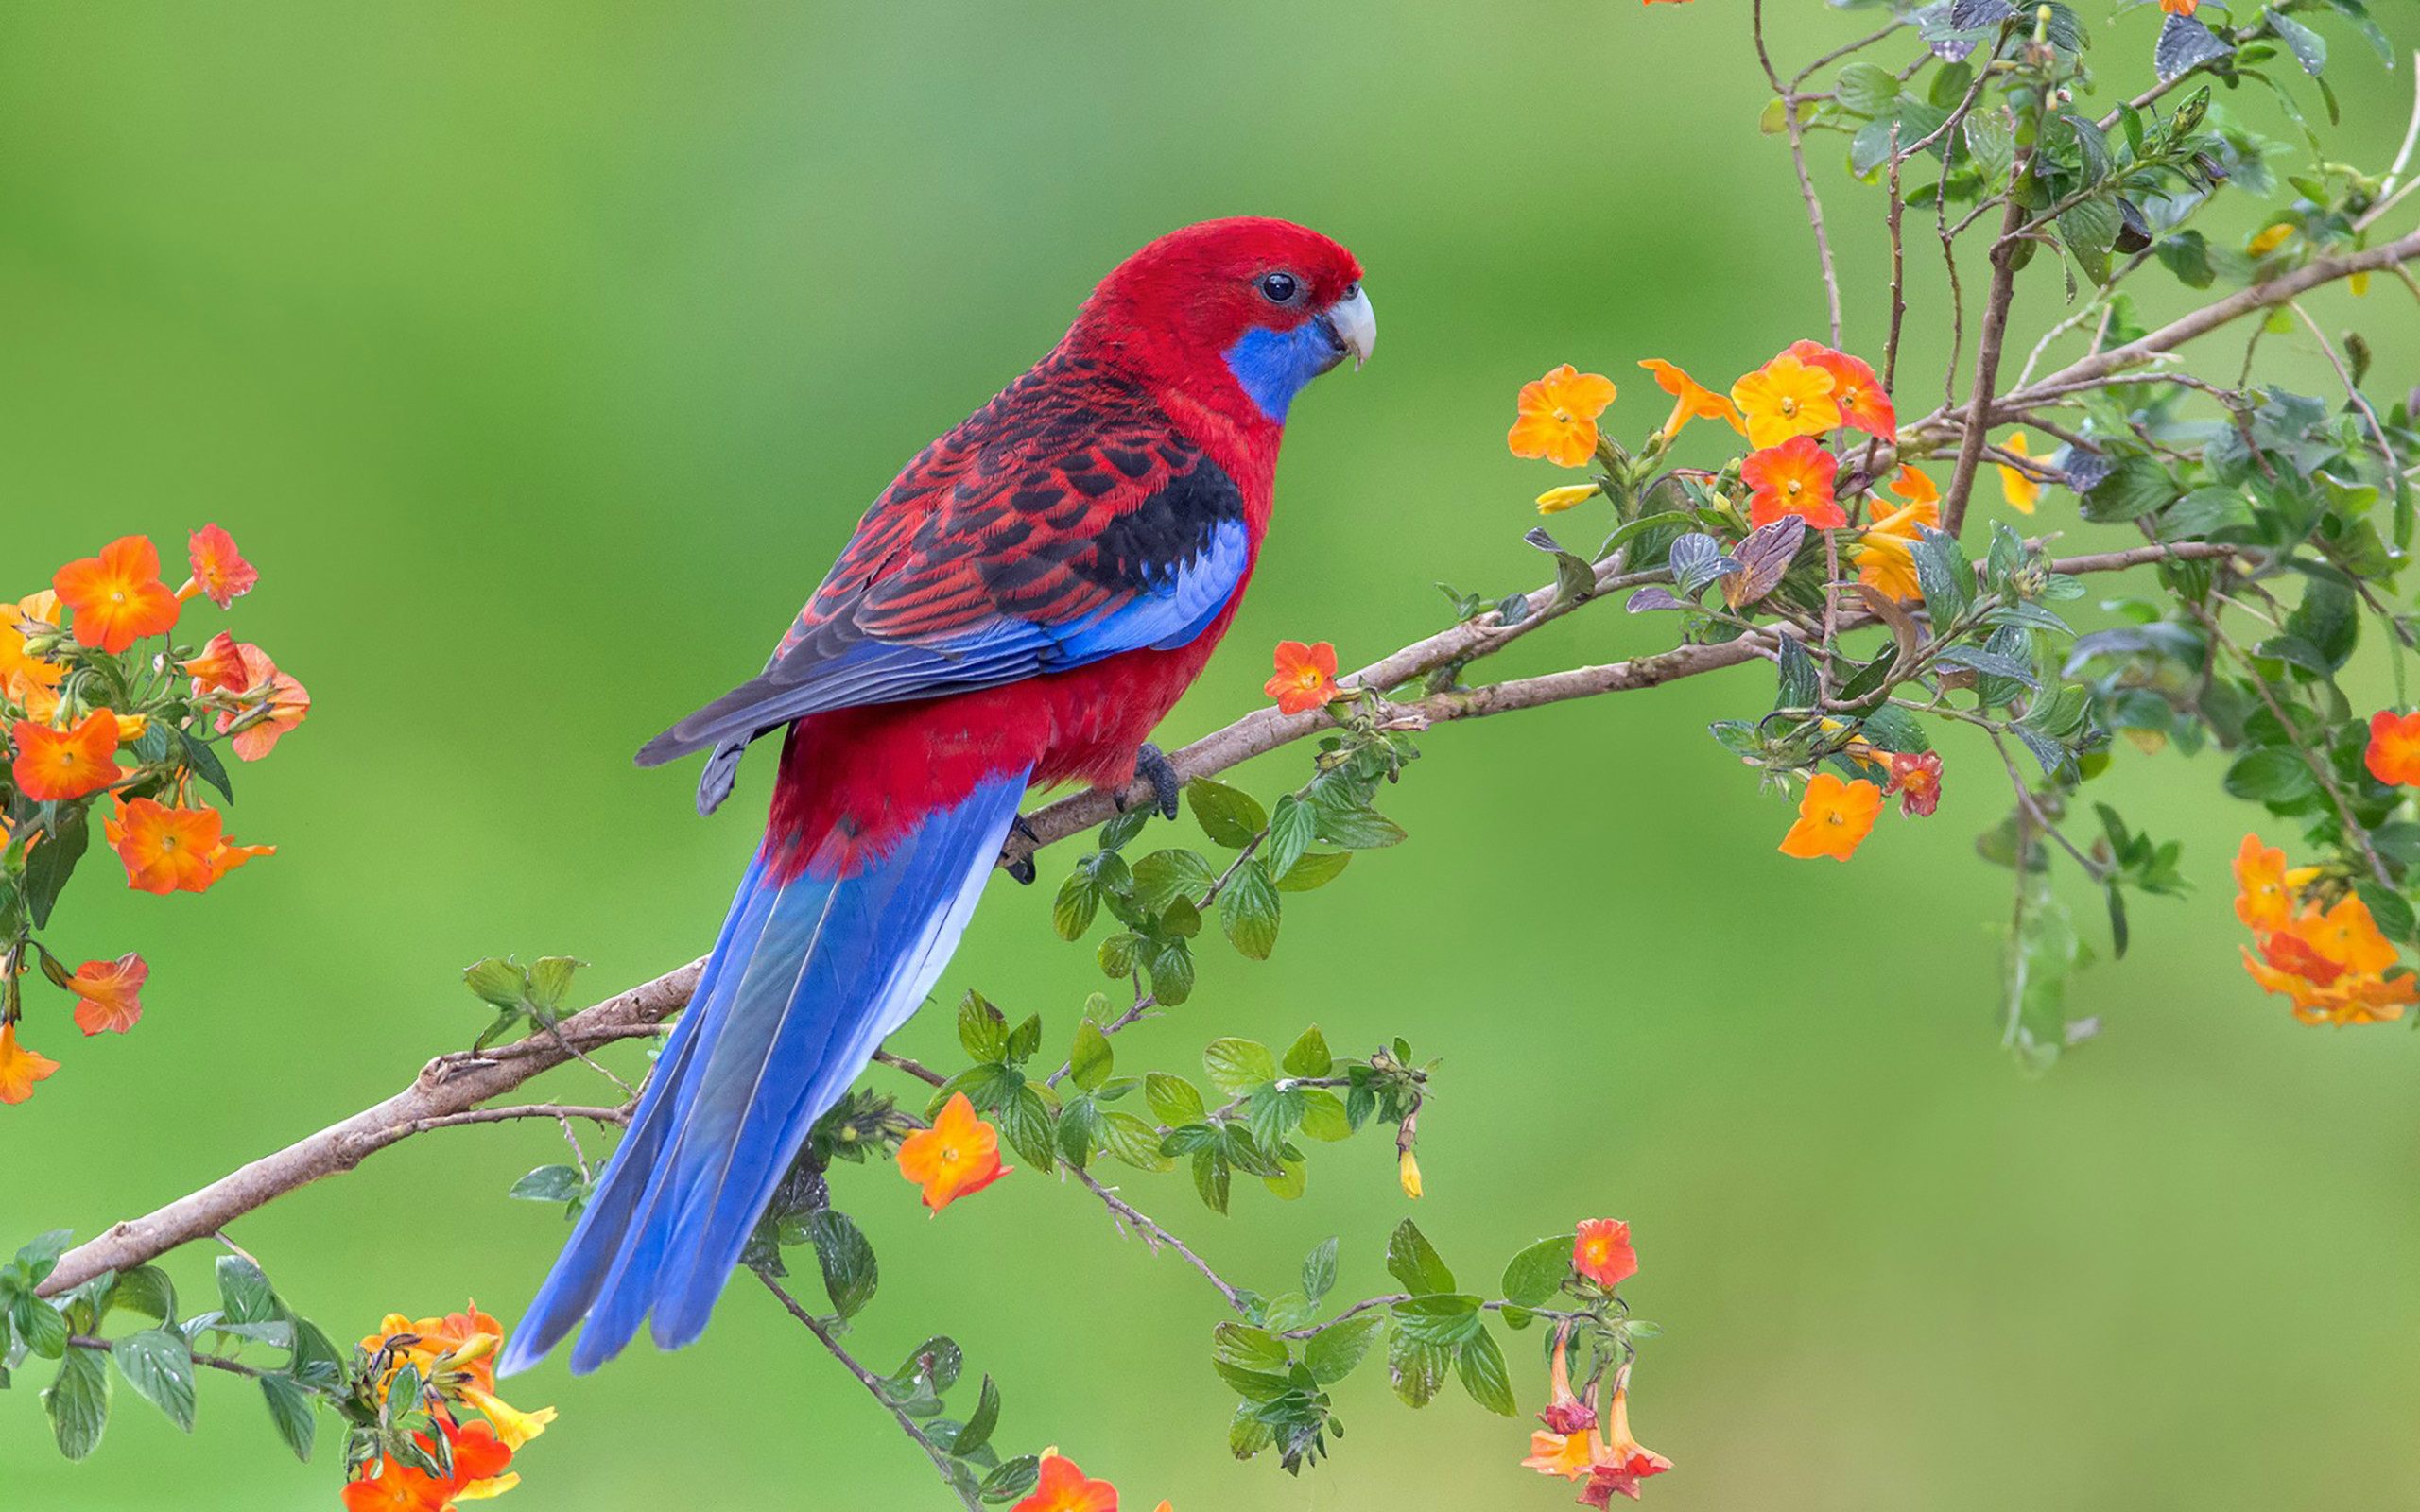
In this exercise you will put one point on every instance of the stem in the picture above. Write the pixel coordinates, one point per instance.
(873, 1387)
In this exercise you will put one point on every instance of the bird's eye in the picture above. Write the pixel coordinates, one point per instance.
(1280, 288)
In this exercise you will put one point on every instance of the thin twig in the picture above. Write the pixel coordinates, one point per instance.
(1796, 130)
(873, 1387)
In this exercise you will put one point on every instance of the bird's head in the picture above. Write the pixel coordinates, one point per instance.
(1237, 314)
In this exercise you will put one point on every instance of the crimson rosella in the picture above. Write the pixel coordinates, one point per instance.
(1020, 607)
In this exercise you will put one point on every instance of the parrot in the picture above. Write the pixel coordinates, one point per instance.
(1017, 610)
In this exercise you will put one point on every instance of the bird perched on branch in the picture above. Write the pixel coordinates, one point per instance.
(1020, 607)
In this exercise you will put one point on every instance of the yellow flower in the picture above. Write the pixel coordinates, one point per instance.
(1786, 397)
(513, 1427)
(1407, 1171)
(2270, 239)
(1883, 551)
(1555, 501)
(2020, 489)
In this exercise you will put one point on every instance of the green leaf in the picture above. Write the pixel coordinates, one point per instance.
(2328, 619)
(50, 863)
(1416, 1368)
(1319, 1271)
(79, 1403)
(1012, 1479)
(1091, 1062)
(147, 1290)
(2274, 774)
(549, 1183)
(158, 1364)
(1332, 1352)
(1248, 910)
(1164, 876)
(1481, 1364)
(1228, 815)
(1315, 869)
(1238, 1066)
(1025, 1122)
(1129, 1138)
(2310, 47)
(1308, 1056)
(985, 1418)
(39, 1325)
(1324, 1115)
(1798, 685)
(290, 1408)
(849, 1272)
(550, 981)
(982, 1029)
(1538, 1271)
(1211, 1177)
(1411, 1260)
(1943, 575)
(244, 1292)
(2136, 487)
(498, 981)
(1073, 909)
(1357, 828)
(1173, 1099)
(203, 763)
(1441, 1318)
(1293, 825)
(1867, 88)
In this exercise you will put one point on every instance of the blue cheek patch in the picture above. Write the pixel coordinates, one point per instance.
(1274, 365)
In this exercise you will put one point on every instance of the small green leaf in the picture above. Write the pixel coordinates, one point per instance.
(1332, 1352)
(1248, 910)
(985, 1418)
(1314, 869)
(290, 1408)
(1173, 1099)
(1480, 1364)
(849, 1272)
(1292, 827)
(1091, 1062)
(498, 981)
(158, 1364)
(79, 1403)
(549, 1183)
(1237, 1066)
(1229, 816)
(244, 1292)
(1319, 1271)
(1411, 1260)
(1538, 1271)
(1308, 1056)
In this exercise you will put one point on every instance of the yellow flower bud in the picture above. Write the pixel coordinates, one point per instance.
(1555, 501)
(1408, 1170)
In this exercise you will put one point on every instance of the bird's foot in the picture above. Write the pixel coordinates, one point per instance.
(1152, 764)
(1020, 867)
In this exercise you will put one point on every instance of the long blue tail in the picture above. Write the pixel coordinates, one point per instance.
(807, 977)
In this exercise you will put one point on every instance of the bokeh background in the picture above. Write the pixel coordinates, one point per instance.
(543, 356)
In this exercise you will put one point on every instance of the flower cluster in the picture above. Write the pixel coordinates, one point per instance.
(103, 710)
(447, 1368)
(1582, 1442)
(2328, 960)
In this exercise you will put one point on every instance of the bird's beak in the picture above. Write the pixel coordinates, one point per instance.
(1356, 324)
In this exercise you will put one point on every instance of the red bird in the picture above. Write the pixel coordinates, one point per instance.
(1021, 606)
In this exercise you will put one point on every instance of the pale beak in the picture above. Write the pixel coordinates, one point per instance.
(1356, 324)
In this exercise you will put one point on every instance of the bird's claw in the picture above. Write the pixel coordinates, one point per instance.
(1020, 868)
(1152, 764)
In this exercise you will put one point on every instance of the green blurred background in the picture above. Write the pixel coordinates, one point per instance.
(543, 356)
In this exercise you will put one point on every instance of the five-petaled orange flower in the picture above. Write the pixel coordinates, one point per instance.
(285, 703)
(1623, 1462)
(1602, 1252)
(1856, 390)
(1916, 777)
(2394, 755)
(108, 993)
(2265, 886)
(1557, 416)
(1063, 1488)
(1793, 478)
(220, 573)
(2020, 488)
(958, 1157)
(1785, 398)
(57, 765)
(1691, 399)
(1833, 818)
(1306, 678)
(117, 596)
(177, 849)
(20, 1068)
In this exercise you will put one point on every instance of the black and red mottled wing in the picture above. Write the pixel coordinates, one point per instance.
(1063, 522)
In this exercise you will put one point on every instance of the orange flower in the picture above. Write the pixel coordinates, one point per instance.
(220, 665)
(1557, 416)
(479, 1460)
(20, 1068)
(1916, 777)
(2347, 935)
(958, 1157)
(2394, 755)
(1063, 1488)
(2329, 965)
(1306, 678)
(57, 765)
(1793, 478)
(1624, 1462)
(23, 675)
(2265, 889)
(1913, 485)
(1602, 1252)
(177, 849)
(1855, 392)
(108, 993)
(1570, 1456)
(1884, 551)
(1786, 397)
(465, 1342)
(117, 596)
(1691, 399)
(2180, 7)
(1833, 818)
(283, 701)
(2017, 487)
(219, 570)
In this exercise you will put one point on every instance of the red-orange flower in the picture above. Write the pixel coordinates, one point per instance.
(58, 765)
(1916, 777)
(283, 703)
(1624, 1461)
(221, 664)
(1063, 1488)
(1834, 818)
(177, 849)
(108, 993)
(1558, 414)
(1306, 678)
(1793, 478)
(1691, 399)
(20, 1068)
(2393, 756)
(479, 1460)
(219, 570)
(1855, 389)
(1602, 1252)
(117, 596)
(956, 1158)
(2330, 965)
